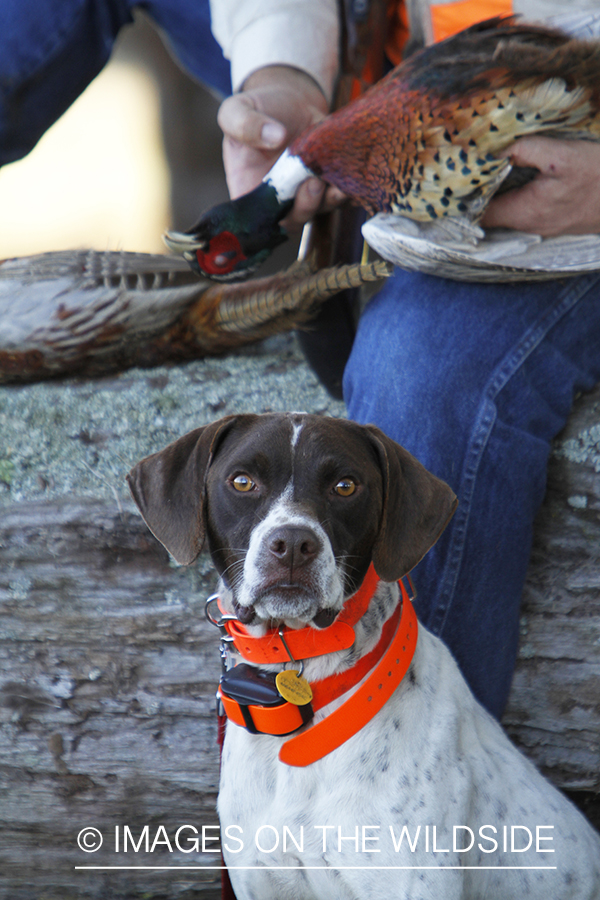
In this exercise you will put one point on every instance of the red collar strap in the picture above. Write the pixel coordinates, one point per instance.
(306, 642)
(391, 657)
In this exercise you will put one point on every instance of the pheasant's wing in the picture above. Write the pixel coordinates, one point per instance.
(501, 255)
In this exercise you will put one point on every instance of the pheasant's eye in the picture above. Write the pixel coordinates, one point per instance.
(243, 483)
(345, 487)
(221, 260)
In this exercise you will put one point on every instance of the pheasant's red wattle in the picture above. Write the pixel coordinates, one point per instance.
(225, 245)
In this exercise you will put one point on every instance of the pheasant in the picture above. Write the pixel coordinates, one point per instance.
(424, 142)
(91, 313)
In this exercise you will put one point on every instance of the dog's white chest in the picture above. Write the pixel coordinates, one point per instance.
(391, 811)
(307, 823)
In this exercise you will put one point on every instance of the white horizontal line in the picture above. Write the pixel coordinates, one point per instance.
(337, 868)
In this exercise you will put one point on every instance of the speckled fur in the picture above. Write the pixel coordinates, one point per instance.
(431, 758)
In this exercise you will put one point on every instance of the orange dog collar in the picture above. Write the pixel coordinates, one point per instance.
(391, 657)
(348, 719)
(306, 642)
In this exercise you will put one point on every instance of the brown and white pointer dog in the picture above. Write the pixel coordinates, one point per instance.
(427, 798)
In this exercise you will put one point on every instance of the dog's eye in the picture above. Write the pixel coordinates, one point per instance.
(243, 483)
(345, 487)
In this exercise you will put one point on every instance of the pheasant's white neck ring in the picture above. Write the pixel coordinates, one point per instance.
(287, 175)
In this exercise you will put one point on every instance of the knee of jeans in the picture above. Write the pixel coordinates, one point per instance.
(47, 67)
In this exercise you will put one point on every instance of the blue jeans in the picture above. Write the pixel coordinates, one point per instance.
(50, 50)
(476, 381)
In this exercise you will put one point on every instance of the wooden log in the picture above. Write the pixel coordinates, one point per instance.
(109, 673)
(108, 667)
(554, 706)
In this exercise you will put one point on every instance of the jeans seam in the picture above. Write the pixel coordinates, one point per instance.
(481, 432)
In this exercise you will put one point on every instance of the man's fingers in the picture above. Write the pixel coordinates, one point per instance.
(564, 198)
(239, 120)
(546, 154)
(245, 166)
(306, 205)
(333, 198)
(314, 196)
(515, 209)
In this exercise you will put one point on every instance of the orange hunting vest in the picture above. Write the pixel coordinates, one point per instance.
(446, 19)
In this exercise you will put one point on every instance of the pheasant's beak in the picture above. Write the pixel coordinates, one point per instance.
(183, 244)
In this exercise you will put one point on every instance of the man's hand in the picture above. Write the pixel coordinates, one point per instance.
(276, 104)
(563, 199)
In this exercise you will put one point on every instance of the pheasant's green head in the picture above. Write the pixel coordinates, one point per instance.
(232, 239)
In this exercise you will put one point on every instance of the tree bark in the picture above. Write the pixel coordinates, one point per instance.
(554, 706)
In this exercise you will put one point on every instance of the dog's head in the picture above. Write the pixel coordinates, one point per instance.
(293, 508)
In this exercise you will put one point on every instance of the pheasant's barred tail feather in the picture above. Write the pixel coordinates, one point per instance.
(291, 297)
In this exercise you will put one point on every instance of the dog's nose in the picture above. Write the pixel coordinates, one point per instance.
(293, 545)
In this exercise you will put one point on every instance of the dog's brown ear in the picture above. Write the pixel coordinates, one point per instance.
(417, 506)
(168, 488)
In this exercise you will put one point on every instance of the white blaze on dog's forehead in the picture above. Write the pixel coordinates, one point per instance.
(286, 495)
(297, 424)
(296, 429)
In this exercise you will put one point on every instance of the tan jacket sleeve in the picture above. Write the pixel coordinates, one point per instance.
(299, 33)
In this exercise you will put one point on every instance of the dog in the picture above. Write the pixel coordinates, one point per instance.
(392, 781)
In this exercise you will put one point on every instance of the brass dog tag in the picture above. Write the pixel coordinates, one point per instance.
(293, 687)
